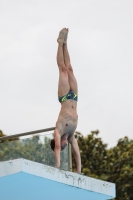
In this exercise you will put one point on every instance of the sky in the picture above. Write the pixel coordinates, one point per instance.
(100, 43)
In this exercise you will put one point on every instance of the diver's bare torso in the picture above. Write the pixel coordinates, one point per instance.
(67, 119)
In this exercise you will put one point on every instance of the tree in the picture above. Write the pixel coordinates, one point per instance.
(120, 168)
(2, 134)
(114, 165)
(36, 149)
(90, 148)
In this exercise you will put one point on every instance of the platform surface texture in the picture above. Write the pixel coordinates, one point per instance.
(23, 179)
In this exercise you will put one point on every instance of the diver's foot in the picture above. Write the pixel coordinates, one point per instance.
(61, 36)
(65, 36)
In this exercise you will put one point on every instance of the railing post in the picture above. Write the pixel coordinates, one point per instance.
(69, 157)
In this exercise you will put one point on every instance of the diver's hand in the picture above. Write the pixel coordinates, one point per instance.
(77, 172)
(57, 166)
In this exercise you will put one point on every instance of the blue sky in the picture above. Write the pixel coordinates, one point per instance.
(101, 47)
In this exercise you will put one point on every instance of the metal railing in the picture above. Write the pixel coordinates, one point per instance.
(27, 133)
(9, 146)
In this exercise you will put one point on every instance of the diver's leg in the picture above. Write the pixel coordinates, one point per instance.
(71, 78)
(63, 85)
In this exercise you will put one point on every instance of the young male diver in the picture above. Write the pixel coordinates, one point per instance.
(67, 94)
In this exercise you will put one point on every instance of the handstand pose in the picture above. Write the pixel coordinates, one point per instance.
(67, 92)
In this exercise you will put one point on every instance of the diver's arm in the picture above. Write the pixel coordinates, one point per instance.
(57, 148)
(76, 152)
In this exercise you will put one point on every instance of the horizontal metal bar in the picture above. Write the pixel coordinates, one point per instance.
(27, 133)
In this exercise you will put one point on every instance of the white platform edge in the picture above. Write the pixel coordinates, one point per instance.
(61, 176)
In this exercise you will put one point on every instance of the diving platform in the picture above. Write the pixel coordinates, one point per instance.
(22, 179)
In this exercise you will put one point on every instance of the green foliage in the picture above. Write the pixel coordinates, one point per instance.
(2, 134)
(120, 163)
(36, 149)
(114, 165)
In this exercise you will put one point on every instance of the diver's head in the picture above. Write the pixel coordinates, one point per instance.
(52, 144)
(64, 143)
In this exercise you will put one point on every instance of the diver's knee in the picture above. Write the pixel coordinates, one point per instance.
(63, 68)
(70, 69)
